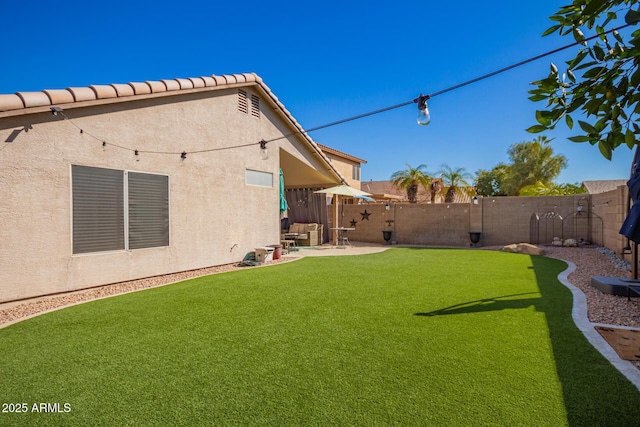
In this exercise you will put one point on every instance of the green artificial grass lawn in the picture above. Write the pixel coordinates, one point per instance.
(406, 337)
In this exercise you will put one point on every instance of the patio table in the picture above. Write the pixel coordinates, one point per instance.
(342, 236)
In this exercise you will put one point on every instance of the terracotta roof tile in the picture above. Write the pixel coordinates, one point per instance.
(185, 83)
(250, 77)
(171, 84)
(197, 82)
(34, 99)
(156, 86)
(209, 81)
(10, 102)
(123, 89)
(140, 88)
(59, 96)
(82, 93)
(104, 91)
(220, 80)
(339, 153)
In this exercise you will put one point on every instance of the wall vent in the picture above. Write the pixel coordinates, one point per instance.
(255, 106)
(243, 105)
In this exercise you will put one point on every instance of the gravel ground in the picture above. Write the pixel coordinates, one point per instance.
(603, 308)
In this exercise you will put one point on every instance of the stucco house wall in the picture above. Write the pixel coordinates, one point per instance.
(215, 216)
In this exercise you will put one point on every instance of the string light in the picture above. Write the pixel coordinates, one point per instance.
(424, 116)
(264, 154)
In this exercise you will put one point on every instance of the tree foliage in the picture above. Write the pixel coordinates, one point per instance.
(489, 183)
(410, 178)
(540, 189)
(531, 162)
(601, 81)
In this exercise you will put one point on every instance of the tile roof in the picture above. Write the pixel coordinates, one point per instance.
(21, 103)
(342, 154)
(22, 100)
(602, 186)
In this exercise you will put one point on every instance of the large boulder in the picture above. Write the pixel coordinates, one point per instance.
(523, 248)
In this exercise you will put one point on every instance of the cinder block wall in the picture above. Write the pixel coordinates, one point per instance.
(501, 220)
(612, 208)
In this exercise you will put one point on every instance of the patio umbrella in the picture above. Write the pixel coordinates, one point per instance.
(365, 198)
(631, 225)
(283, 202)
(344, 190)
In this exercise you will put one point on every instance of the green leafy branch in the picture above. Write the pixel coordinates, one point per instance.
(606, 89)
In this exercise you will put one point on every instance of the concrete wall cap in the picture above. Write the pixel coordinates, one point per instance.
(82, 93)
(34, 99)
(10, 102)
(140, 88)
(123, 89)
(104, 91)
(156, 86)
(171, 84)
(59, 96)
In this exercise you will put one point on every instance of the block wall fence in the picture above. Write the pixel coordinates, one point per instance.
(500, 220)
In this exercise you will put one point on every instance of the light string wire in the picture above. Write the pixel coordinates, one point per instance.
(359, 116)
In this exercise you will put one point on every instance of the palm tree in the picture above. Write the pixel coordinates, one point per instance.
(457, 181)
(410, 178)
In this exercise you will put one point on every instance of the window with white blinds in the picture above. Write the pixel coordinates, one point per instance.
(117, 210)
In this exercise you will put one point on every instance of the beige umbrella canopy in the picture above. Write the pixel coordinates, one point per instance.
(343, 190)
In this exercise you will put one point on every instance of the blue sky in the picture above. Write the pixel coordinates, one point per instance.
(325, 61)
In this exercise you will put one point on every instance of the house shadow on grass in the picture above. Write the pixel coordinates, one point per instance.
(594, 392)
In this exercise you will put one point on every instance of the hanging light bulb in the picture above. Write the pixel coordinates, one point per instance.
(424, 118)
(264, 154)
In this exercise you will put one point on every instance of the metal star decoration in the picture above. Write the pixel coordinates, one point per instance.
(353, 223)
(365, 215)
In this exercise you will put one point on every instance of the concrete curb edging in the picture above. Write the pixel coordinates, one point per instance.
(581, 319)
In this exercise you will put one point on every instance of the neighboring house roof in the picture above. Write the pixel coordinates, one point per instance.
(384, 189)
(602, 186)
(333, 151)
(75, 97)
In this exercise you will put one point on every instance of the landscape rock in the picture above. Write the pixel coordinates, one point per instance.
(523, 248)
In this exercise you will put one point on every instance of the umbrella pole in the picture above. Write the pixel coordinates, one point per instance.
(336, 213)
